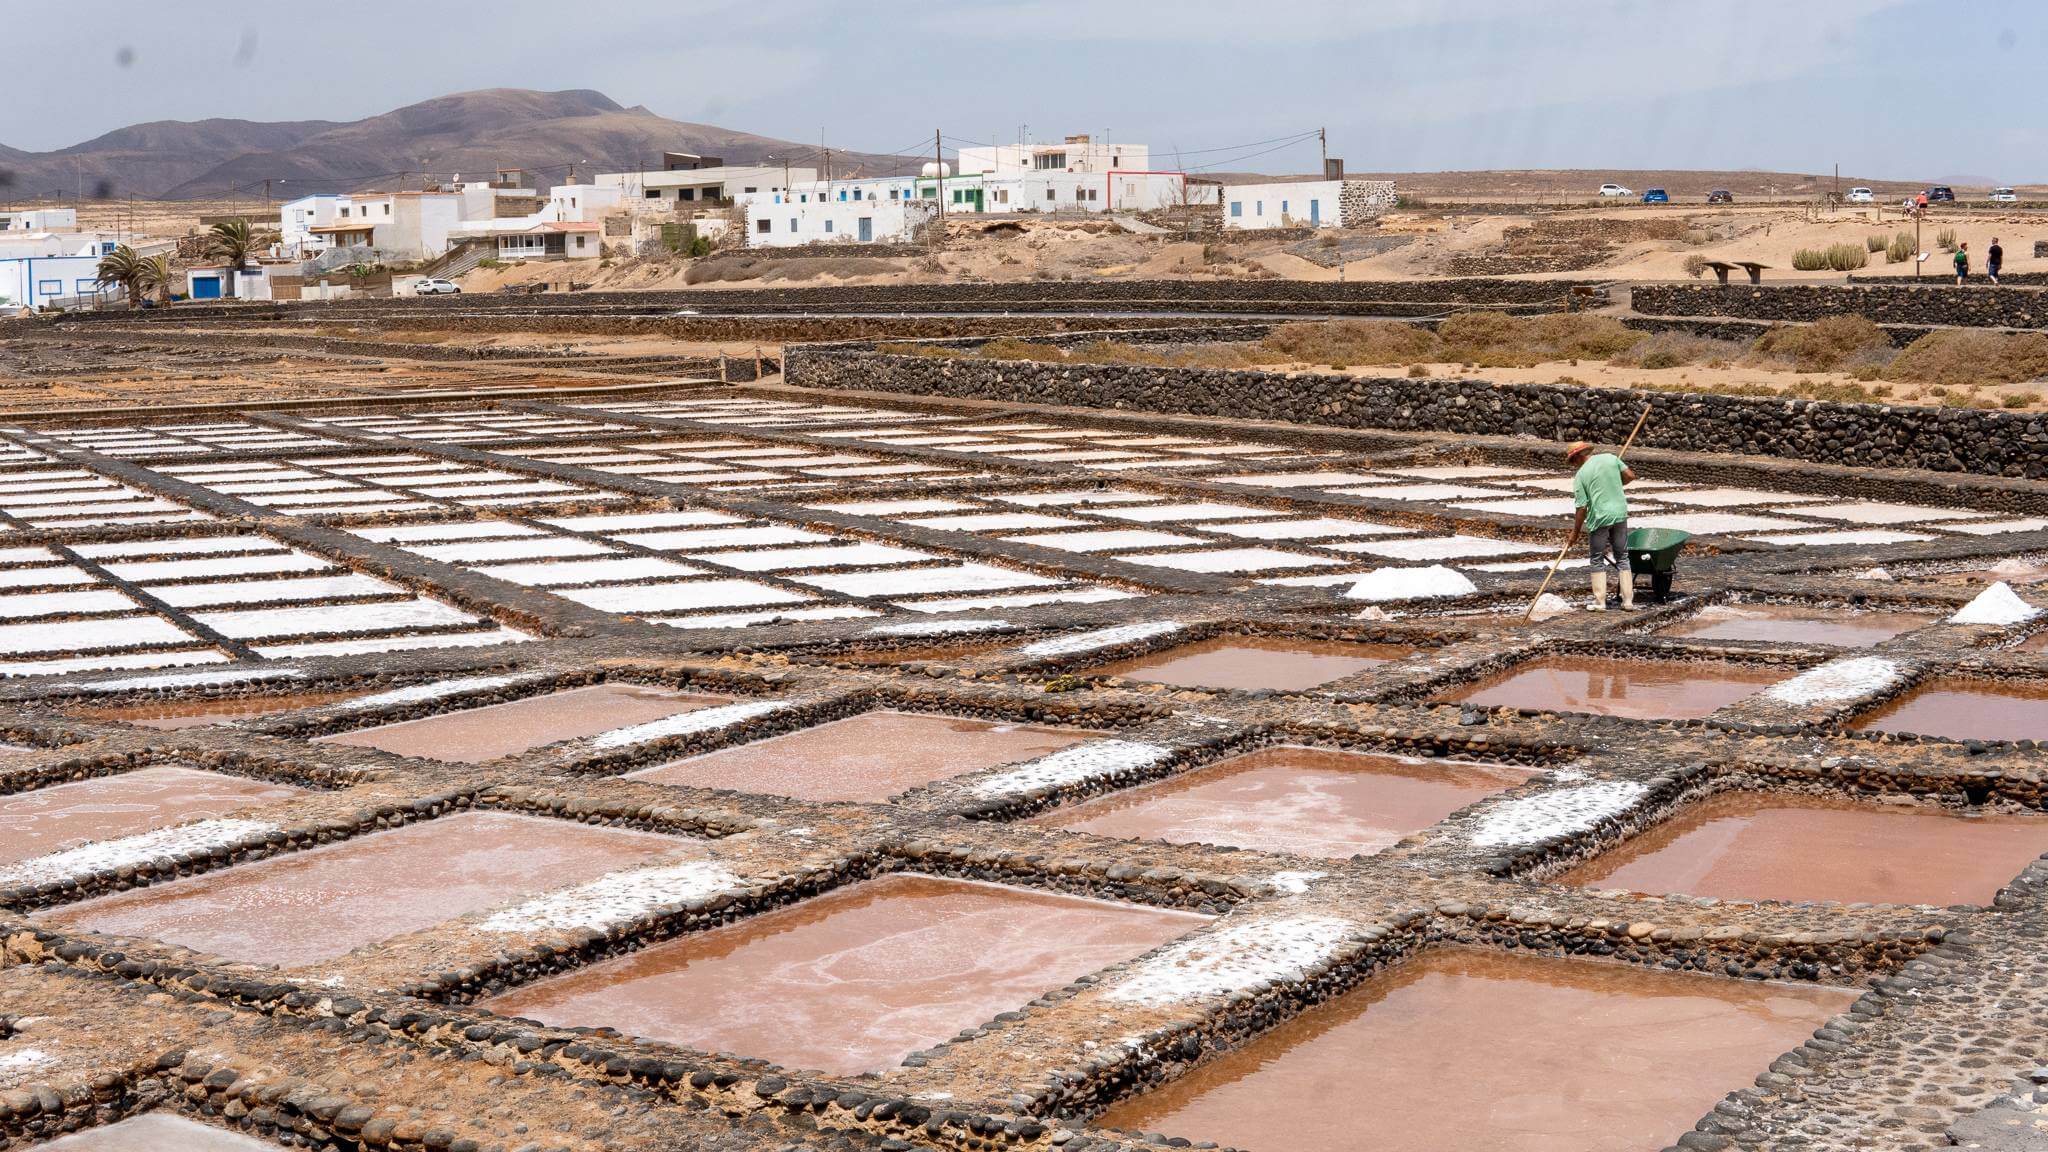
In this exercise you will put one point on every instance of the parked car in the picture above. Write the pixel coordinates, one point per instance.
(2004, 196)
(436, 287)
(1612, 190)
(1656, 196)
(1720, 196)
(1939, 193)
(1861, 196)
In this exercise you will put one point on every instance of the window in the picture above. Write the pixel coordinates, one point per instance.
(387, 209)
(344, 213)
(1258, 207)
(1237, 207)
(579, 241)
(751, 189)
(686, 193)
(1283, 207)
(828, 225)
(764, 225)
(652, 194)
(49, 287)
(792, 224)
(1050, 194)
(892, 193)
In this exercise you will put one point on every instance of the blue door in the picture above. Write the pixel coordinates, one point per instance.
(867, 229)
(1315, 213)
(206, 287)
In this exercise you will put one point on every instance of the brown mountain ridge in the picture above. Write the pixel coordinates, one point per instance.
(472, 134)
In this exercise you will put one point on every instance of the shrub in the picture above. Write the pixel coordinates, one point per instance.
(2020, 399)
(1945, 239)
(1833, 344)
(1695, 265)
(1846, 257)
(1959, 357)
(1674, 350)
(1418, 371)
(1352, 342)
(1874, 243)
(1900, 249)
(1496, 340)
(1810, 260)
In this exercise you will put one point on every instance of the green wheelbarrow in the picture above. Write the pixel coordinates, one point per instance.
(1653, 552)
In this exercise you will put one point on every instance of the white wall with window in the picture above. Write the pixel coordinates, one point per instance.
(1284, 204)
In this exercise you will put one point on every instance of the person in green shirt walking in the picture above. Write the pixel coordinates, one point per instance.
(1601, 509)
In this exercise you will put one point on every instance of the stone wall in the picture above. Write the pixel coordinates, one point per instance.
(1993, 443)
(1361, 200)
(1970, 306)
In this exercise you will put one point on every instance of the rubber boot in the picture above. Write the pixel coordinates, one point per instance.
(1628, 590)
(1599, 603)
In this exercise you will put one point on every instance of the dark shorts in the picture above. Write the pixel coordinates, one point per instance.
(1608, 545)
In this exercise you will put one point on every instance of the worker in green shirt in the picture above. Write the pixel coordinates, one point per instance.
(1600, 509)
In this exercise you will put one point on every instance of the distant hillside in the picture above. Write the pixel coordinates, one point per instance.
(1512, 183)
(470, 133)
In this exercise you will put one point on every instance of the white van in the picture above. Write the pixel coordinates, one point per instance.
(1862, 196)
(2004, 196)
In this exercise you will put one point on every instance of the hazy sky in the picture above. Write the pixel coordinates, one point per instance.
(1906, 88)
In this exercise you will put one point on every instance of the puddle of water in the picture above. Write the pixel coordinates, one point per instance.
(1482, 1052)
(1252, 662)
(1313, 801)
(1797, 624)
(108, 807)
(157, 1132)
(170, 715)
(1638, 689)
(479, 734)
(1960, 711)
(305, 907)
(857, 979)
(869, 757)
(1745, 846)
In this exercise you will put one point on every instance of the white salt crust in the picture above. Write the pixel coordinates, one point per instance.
(1424, 492)
(1561, 812)
(1230, 560)
(107, 663)
(194, 679)
(439, 689)
(1999, 527)
(1089, 761)
(995, 522)
(852, 553)
(1321, 528)
(1233, 958)
(23, 1060)
(968, 577)
(619, 898)
(264, 623)
(1863, 536)
(1089, 594)
(749, 619)
(1107, 540)
(936, 627)
(1711, 523)
(552, 574)
(1071, 499)
(254, 591)
(147, 571)
(1301, 479)
(1155, 513)
(1836, 681)
(684, 597)
(1440, 548)
(1100, 638)
(22, 605)
(85, 635)
(1411, 584)
(129, 851)
(1998, 605)
(413, 533)
(395, 643)
(686, 724)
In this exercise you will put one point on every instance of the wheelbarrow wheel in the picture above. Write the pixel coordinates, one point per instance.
(1660, 584)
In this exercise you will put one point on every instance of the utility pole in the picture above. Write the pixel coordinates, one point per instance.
(1323, 140)
(939, 173)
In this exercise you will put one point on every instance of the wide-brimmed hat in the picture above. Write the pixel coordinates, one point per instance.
(1576, 449)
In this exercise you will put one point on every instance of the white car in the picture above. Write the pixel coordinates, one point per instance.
(436, 287)
(1612, 190)
(1861, 196)
(2004, 196)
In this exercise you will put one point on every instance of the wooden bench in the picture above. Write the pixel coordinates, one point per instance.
(1723, 267)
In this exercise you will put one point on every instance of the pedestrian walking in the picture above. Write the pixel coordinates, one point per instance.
(1994, 259)
(1962, 261)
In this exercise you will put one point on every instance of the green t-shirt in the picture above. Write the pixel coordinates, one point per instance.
(1597, 489)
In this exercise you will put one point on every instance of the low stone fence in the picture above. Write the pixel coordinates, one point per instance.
(1991, 443)
(1970, 306)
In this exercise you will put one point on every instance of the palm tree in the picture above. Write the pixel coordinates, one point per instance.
(233, 242)
(120, 267)
(153, 278)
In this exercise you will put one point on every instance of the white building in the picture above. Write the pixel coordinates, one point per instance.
(1075, 154)
(687, 186)
(582, 203)
(298, 218)
(40, 220)
(824, 221)
(37, 281)
(536, 239)
(1305, 203)
(1019, 192)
